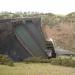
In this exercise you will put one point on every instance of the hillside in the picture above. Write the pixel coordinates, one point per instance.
(63, 33)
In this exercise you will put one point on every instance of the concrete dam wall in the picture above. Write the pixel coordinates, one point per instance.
(22, 38)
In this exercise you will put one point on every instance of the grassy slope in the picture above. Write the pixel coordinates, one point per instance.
(35, 69)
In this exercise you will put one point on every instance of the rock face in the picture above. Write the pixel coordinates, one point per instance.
(63, 34)
(22, 38)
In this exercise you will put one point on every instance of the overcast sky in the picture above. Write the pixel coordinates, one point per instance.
(54, 6)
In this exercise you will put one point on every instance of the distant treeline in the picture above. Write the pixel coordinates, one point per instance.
(46, 18)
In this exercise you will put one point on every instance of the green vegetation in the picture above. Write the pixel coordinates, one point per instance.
(37, 60)
(4, 60)
(36, 69)
(38, 66)
(66, 61)
(63, 61)
(47, 18)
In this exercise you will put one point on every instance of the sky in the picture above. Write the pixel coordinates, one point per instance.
(46, 6)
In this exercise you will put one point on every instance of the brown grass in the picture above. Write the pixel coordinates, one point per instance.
(36, 69)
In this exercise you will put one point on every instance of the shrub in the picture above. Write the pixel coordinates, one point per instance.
(72, 64)
(55, 61)
(63, 61)
(66, 62)
(37, 60)
(5, 60)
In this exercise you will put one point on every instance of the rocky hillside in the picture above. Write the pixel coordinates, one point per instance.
(63, 33)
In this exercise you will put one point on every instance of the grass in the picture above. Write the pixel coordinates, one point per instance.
(36, 69)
